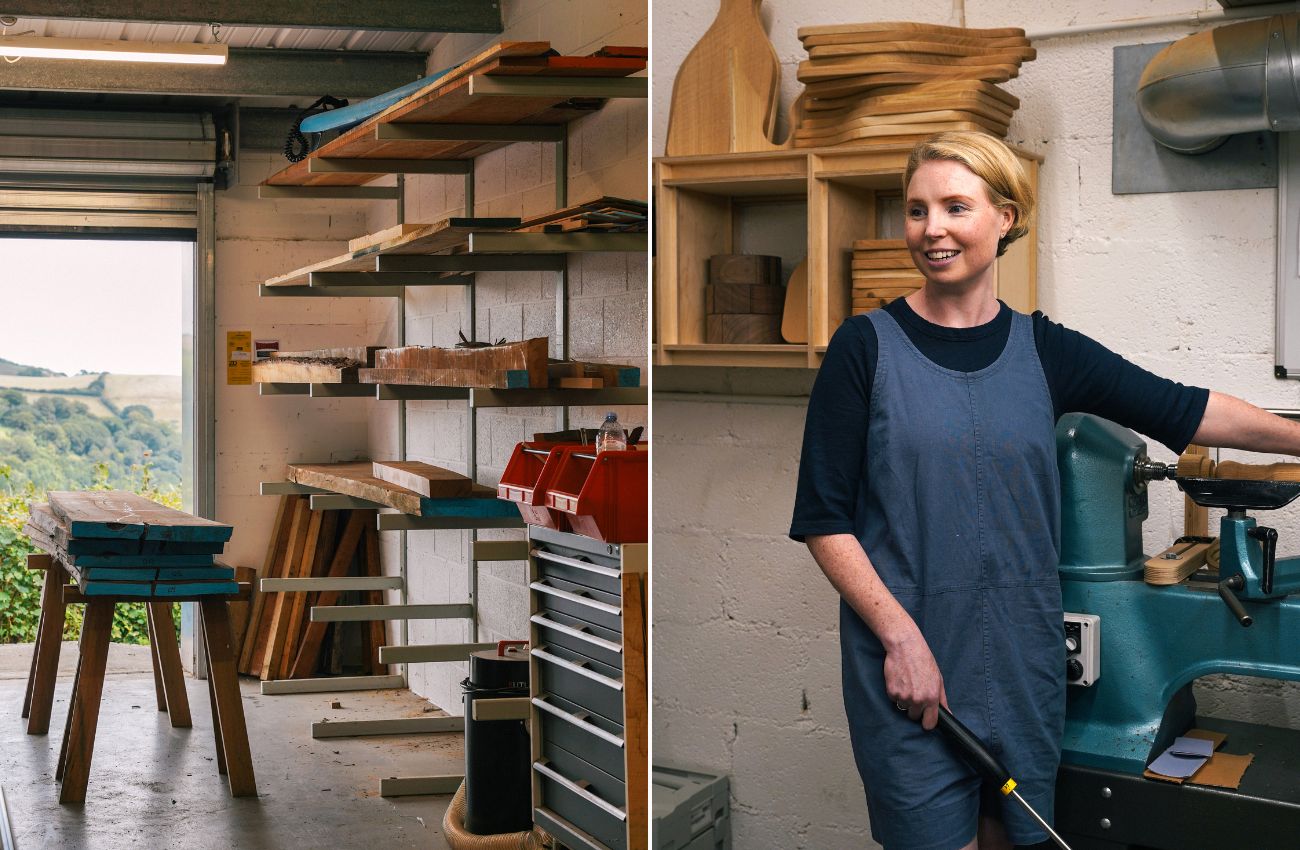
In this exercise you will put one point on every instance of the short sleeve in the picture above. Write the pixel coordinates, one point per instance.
(835, 435)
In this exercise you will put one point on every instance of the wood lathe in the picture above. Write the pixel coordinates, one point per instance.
(1132, 694)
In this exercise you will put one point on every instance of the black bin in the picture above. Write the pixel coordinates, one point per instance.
(498, 785)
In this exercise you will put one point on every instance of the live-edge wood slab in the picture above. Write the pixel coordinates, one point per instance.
(358, 480)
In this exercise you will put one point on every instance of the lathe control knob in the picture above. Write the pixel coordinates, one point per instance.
(1071, 643)
(1073, 670)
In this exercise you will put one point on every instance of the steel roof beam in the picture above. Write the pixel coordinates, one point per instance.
(251, 72)
(396, 15)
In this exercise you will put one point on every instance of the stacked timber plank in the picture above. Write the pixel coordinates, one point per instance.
(441, 493)
(580, 375)
(509, 366)
(281, 641)
(451, 99)
(517, 365)
(744, 299)
(317, 366)
(604, 214)
(119, 544)
(901, 82)
(421, 239)
(882, 271)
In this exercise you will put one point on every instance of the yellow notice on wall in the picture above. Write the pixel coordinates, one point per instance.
(239, 357)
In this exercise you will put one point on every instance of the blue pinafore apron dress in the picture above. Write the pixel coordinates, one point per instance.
(960, 515)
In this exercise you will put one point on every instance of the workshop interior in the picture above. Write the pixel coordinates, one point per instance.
(356, 554)
(1159, 139)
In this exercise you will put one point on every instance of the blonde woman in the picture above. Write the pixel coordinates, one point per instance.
(929, 495)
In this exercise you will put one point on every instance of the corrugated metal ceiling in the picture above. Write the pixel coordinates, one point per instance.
(286, 38)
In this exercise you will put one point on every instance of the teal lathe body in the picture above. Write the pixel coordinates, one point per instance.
(1155, 641)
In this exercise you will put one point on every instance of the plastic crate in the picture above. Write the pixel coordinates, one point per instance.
(527, 476)
(691, 810)
(605, 496)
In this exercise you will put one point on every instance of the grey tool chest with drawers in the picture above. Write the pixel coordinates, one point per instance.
(588, 689)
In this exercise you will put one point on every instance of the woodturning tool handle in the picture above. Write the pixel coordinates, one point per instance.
(1197, 466)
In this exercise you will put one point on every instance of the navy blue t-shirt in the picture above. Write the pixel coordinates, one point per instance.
(1081, 373)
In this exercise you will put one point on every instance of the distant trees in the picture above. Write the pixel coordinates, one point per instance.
(56, 443)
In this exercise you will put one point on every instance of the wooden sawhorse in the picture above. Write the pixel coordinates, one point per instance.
(234, 758)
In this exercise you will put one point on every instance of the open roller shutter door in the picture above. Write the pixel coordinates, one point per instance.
(66, 171)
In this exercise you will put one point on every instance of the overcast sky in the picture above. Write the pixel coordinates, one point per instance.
(98, 305)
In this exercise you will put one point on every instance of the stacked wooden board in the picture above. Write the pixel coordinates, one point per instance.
(604, 213)
(317, 366)
(882, 271)
(119, 544)
(509, 366)
(456, 495)
(744, 299)
(505, 365)
(905, 81)
(451, 99)
(281, 641)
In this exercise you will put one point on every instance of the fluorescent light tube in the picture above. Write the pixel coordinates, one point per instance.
(41, 47)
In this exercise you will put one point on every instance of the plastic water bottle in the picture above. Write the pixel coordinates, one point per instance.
(611, 437)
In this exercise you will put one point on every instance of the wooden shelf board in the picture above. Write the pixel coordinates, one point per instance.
(479, 397)
(790, 356)
(450, 103)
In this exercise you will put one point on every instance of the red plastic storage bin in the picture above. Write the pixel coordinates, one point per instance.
(605, 496)
(527, 476)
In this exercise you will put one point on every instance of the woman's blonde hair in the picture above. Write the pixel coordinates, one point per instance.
(990, 160)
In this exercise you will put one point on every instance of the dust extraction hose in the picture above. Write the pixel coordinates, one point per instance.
(459, 838)
(1240, 78)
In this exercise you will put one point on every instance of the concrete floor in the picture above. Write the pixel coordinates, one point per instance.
(154, 787)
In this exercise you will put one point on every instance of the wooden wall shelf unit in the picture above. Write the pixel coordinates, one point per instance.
(698, 197)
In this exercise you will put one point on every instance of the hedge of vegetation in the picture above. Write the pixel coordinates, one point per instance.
(20, 588)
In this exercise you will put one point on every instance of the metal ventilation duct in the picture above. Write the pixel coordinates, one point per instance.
(1239, 78)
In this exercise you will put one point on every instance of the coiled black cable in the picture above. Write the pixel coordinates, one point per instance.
(297, 146)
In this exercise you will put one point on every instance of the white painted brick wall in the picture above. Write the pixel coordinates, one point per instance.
(744, 622)
(608, 155)
(256, 436)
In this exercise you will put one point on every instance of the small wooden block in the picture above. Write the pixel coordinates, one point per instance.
(432, 482)
(883, 263)
(754, 269)
(742, 328)
(582, 383)
(879, 245)
(888, 293)
(1180, 560)
(743, 298)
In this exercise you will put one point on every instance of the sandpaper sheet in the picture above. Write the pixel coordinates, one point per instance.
(1223, 770)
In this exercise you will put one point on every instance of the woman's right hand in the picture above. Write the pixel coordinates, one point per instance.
(913, 680)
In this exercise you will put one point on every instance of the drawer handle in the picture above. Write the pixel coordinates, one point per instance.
(574, 562)
(580, 633)
(545, 769)
(541, 703)
(578, 667)
(543, 587)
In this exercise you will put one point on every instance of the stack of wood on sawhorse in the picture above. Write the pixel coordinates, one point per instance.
(120, 547)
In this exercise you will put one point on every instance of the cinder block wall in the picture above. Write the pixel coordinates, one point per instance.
(607, 155)
(746, 668)
(256, 436)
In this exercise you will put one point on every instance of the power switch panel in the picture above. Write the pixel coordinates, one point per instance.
(1082, 649)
